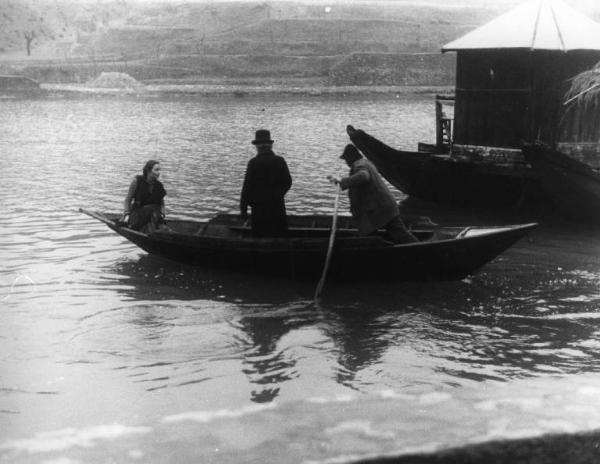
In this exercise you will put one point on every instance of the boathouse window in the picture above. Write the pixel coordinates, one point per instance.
(491, 99)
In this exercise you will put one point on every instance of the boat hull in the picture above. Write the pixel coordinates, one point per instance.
(354, 258)
(573, 186)
(444, 179)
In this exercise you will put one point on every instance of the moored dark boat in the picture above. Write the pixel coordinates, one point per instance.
(17, 86)
(444, 253)
(573, 186)
(443, 178)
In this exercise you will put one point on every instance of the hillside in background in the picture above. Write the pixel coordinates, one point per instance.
(341, 43)
(53, 25)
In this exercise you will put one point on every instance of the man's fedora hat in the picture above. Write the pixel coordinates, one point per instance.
(262, 136)
(350, 153)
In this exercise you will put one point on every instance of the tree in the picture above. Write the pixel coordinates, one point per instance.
(29, 36)
(267, 9)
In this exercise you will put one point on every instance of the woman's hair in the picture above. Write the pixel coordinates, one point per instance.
(148, 167)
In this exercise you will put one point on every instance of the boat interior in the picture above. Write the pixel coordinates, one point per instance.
(310, 226)
(306, 227)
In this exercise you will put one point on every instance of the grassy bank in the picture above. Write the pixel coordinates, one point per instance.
(246, 89)
(364, 69)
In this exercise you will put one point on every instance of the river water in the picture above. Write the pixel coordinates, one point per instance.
(93, 331)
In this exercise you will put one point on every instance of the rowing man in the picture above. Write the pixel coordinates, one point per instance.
(372, 205)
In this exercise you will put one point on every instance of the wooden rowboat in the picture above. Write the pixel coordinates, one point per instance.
(573, 186)
(444, 253)
(443, 178)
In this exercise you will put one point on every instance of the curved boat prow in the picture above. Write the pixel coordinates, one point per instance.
(112, 221)
(99, 217)
(405, 170)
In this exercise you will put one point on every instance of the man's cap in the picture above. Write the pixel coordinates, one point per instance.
(350, 153)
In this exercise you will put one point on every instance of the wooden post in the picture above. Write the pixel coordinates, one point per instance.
(439, 131)
(94, 61)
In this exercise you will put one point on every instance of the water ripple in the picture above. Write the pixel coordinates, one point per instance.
(81, 305)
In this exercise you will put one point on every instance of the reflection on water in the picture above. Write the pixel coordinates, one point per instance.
(95, 331)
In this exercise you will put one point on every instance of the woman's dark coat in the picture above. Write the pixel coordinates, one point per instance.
(148, 201)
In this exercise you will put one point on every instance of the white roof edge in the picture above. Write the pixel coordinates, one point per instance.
(533, 25)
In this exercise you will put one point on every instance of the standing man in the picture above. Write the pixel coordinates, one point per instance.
(266, 182)
(371, 203)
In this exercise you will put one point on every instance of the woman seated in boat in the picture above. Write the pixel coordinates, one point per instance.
(145, 203)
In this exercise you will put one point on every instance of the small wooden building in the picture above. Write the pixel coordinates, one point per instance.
(512, 73)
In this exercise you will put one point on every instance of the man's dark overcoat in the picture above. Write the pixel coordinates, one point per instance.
(266, 182)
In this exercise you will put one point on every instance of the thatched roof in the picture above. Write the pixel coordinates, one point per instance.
(585, 87)
(581, 117)
(534, 25)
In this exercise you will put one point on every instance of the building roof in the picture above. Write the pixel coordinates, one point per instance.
(534, 25)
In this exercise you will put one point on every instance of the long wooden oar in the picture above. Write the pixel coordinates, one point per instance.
(331, 240)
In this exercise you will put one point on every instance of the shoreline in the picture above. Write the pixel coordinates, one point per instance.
(243, 90)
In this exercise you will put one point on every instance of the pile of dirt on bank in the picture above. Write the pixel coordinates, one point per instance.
(114, 80)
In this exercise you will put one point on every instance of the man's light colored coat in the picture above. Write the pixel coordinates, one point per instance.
(371, 203)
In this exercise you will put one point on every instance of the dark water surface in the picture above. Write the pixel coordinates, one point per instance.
(93, 331)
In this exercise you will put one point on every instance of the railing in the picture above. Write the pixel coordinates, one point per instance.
(443, 122)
